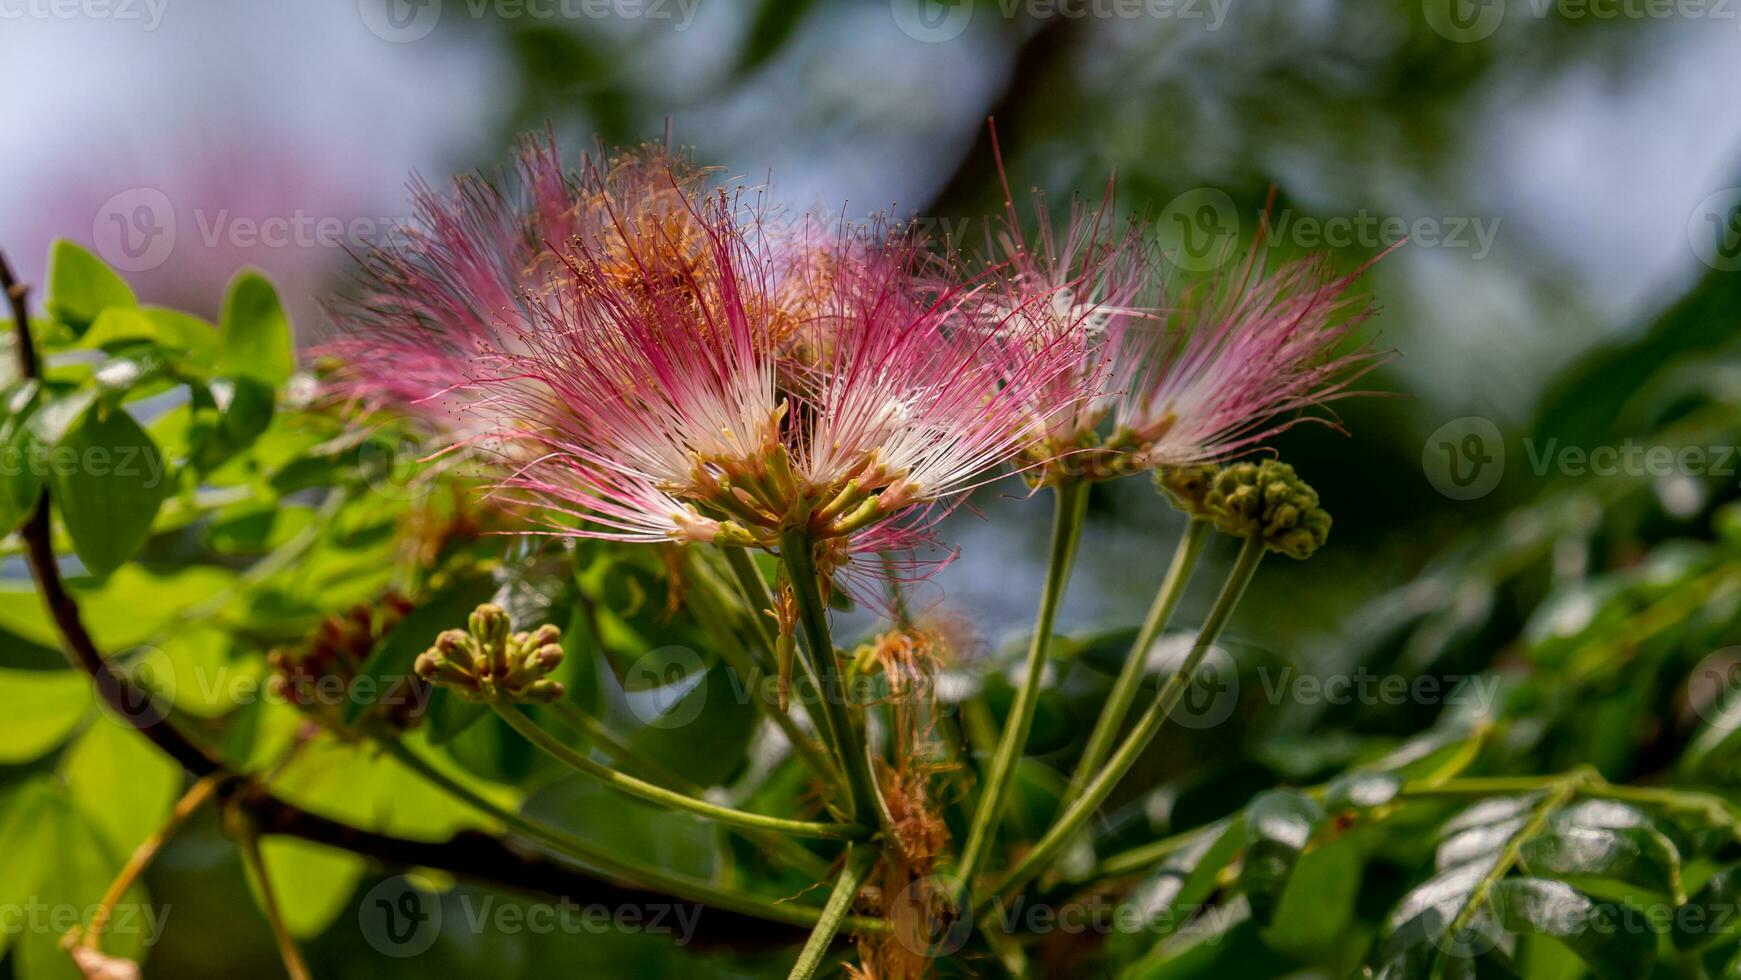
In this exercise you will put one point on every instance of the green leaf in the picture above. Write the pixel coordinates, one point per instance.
(1169, 897)
(122, 782)
(80, 865)
(26, 838)
(715, 712)
(312, 883)
(391, 660)
(244, 408)
(42, 709)
(1710, 912)
(254, 339)
(1601, 839)
(108, 479)
(1278, 826)
(20, 476)
(1317, 905)
(1611, 943)
(126, 609)
(81, 286)
(449, 715)
(173, 329)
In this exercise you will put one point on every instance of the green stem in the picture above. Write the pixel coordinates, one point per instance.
(860, 858)
(1457, 789)
(796, 854)
(1130, 678)
(1077, 813)
(659, 795)
(1072, 504)
(803, 744)
(796, 550)
(681, 886)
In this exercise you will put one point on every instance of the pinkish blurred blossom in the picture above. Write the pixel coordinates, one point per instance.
(1200, 378)
(652, 360)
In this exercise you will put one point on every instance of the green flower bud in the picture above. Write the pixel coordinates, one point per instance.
(1268, 500)
(490, 662)
(1186, 486)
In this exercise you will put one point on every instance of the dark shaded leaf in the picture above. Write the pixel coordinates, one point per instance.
(1278, 826)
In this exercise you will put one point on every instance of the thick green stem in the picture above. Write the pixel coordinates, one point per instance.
(797, 551)
(860, 858)
(660, 796)
(1072, 504)
(611, 862)
(1130, 678)
(1098, 789)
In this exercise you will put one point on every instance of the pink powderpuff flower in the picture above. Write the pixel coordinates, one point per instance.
(1092, 288)
(456, 287)
(1243, 358)
(784, 384)
(1253, 358)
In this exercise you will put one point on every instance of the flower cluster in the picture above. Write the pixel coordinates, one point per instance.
(1265, 499)
(322, 675)
(1203, 378)
(649, 357)
(487, 660)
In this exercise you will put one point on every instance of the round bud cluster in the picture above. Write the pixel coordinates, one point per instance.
(487, 662)
(1268, 500)
(320, 676)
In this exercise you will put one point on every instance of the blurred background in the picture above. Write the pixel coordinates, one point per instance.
(1565, 174)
